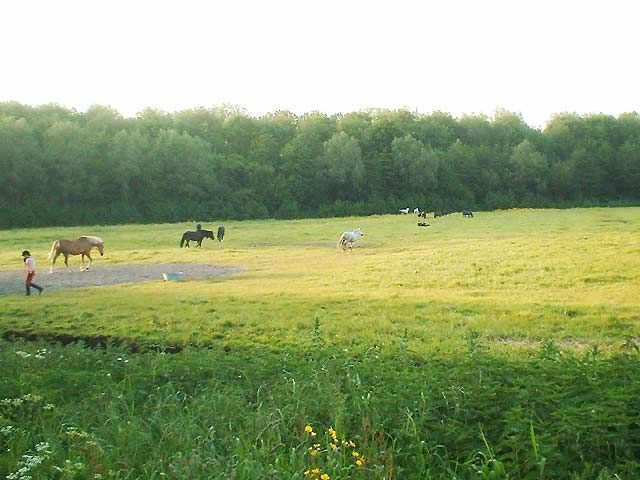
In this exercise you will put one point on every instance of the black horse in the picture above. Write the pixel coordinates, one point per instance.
(467, 213)
(196, 236)
(220, 233)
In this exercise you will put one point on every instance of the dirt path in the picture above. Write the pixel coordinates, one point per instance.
(12, 282)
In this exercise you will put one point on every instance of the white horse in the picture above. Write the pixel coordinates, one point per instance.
(347, 239)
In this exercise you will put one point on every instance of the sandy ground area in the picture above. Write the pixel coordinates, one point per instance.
(12, 282)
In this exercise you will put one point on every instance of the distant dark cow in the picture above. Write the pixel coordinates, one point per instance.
(467, 213)
(438, 214)
(422, 214)
(220, 233)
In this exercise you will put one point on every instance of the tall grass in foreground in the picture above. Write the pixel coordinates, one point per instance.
(77, 413)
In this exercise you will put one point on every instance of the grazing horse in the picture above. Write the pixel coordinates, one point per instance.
(81, 246)
(220, 233)
(467, 213)
(196, 236)
(347, 239)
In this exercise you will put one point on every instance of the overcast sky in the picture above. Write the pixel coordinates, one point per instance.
(533, 57)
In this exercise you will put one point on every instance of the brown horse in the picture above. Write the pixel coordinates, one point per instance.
(81, 246)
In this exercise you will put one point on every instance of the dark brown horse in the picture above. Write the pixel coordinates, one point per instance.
(81, 246)
(196, 236)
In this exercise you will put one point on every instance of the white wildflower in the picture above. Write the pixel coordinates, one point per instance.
(42, 446)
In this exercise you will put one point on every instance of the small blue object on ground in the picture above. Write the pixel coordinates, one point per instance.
(173, 277)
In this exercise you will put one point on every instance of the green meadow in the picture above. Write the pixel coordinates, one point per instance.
(501, 346)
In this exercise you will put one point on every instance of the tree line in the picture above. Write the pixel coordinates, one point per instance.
(63, 167)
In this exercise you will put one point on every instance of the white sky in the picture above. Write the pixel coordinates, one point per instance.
(534, 57)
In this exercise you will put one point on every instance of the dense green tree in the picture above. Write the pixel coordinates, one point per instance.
(474, 130)
(626, 175)
(342, 172)
(203, 123)
(22, 175)
(437, 130)
(414, 167)
(59, 166)
(509, 129)
(529, 172)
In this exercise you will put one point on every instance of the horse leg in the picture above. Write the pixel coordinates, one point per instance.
(66, 261)
(90, 261)
(81, 262)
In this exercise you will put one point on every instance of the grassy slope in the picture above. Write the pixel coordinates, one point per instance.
(413, 360)
(512, 277)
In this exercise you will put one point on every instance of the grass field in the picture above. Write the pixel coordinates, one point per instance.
(503, 346)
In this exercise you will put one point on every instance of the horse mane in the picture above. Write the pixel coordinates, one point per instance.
(93, 239)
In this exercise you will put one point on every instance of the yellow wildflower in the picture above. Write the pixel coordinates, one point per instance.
(308, 429)
(315, 471)
(360, 462)
(333, 433)
(355, 454)
(324, 476)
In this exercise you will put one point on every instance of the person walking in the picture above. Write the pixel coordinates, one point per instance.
(30, 270)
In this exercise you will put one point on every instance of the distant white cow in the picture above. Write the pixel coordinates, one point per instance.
(404, 211)
(347, 239)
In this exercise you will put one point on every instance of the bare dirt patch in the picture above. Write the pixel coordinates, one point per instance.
(12, 282)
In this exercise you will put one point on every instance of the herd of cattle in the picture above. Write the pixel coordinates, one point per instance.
(436, 214)
(348, 239)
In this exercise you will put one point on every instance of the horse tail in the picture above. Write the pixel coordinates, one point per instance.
(54, 246)
(342, 241)
(184, 237)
